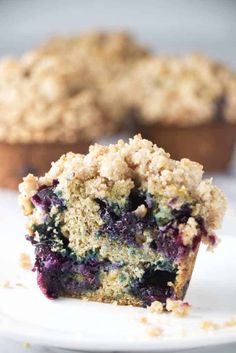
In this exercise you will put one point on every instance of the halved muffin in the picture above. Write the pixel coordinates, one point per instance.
(122, 223)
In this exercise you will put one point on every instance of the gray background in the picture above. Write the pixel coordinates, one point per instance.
(173, 26)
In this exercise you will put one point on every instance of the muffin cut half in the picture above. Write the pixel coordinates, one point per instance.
(122, 223)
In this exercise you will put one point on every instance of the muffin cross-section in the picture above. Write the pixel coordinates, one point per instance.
(122, 223)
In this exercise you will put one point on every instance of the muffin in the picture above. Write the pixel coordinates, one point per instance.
(50, 100)
(100, 55)
(120, 224)
(185, 104)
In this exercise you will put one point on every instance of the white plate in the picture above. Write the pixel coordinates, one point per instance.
(25, 314)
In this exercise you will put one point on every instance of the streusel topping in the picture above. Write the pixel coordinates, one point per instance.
(52, 94)
(184, 91)
(141, 163)
(84, 86)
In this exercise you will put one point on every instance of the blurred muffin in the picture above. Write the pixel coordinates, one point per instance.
(50, 100)
(186, 105)
(90, 59)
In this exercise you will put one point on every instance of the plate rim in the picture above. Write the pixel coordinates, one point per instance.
(71, 341)
(21, 331)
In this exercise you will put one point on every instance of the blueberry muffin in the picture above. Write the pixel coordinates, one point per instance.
(185, 104)
(120, 224)
(36, 132)
(99, 56)
(50, 100)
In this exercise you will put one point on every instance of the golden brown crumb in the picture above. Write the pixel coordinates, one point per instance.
(58, 84)
(155, 331)
(25, 261)
(208, 325)
(156, 307)
(230, 323)
(183, 91)
(189, 231)
(177, 307)
(143, 320)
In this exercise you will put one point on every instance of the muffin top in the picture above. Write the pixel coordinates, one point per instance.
(52, 94)
(118, 46)
(122, 166)
(182, 91)
(84, 87)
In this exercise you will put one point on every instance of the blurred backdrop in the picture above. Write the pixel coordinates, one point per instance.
(172, 26)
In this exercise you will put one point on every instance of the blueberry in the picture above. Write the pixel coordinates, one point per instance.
(120, 223)
(182, 215)
(46, 197)
(153, 286)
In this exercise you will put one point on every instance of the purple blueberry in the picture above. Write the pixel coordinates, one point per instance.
(153, 286)
(46, 197)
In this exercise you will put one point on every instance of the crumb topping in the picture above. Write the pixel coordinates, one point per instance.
(58, 84)
(183, 91)
(139, 162)
(230, 323)
(143, 320)
(84, 85)
(188, 231)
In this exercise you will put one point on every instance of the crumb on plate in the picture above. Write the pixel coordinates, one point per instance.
(155, 331)
(156, 307)
(208, 325)
(25, 261)
(230, 323)
(178, 307)
(143, 320)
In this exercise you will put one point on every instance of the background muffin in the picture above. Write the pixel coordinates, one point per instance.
(72, 91)
(50, 100)
(186, 104)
